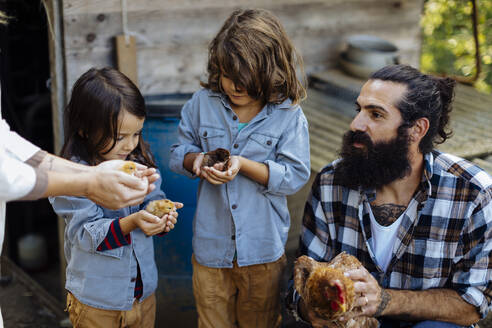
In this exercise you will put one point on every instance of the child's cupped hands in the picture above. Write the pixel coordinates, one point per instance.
(148, 223)
(153, 225)
(172, 217)
(217, 175)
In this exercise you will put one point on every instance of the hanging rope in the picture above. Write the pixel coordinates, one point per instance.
(126, 32)
(124, 21)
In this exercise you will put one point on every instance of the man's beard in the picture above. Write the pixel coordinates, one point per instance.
(374, 165)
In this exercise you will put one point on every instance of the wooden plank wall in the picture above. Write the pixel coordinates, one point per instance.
(173, 35)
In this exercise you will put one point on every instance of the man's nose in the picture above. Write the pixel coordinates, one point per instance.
(359, 123)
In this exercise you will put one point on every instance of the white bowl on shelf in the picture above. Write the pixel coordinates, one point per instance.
(371, 51)
(355, 69)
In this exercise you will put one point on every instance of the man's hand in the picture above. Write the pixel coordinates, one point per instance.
(368, 290)
(150, 174)
(141, 172)
(113, 189)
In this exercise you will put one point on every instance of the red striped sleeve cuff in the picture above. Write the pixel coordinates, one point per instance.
(114, 237)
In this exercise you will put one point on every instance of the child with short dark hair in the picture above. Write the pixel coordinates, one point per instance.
(111, 274)
(249, 106)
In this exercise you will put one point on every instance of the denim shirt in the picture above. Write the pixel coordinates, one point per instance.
(242, 214)
(105, 279)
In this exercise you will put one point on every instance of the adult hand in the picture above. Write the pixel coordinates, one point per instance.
(368, 290)
(150, 174)
(172, 217)
(116, 164)
(141, 172)
(215, 175)
(114, 189)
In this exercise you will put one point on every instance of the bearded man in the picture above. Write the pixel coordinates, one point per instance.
(420, 221)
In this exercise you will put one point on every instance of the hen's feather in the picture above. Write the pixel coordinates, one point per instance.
(327, 291)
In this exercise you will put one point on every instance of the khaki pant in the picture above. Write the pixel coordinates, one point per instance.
(239, 296)
(142, 315)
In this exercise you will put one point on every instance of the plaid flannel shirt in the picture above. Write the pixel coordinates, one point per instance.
(447, 244)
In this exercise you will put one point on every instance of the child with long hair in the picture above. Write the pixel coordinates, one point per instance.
(250, 107)
(111, 273)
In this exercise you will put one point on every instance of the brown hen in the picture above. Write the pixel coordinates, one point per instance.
(327, 291)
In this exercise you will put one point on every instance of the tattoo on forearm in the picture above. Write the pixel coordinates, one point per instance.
(385, 299)
(386, 214)
(50, 163)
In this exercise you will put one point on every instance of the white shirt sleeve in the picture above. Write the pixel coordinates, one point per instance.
(17, 178)
(15, 144)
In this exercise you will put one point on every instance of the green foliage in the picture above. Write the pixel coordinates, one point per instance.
(448, 45)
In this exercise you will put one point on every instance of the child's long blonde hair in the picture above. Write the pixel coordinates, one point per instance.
(253, 50)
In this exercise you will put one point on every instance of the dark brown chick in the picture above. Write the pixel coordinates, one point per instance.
(219, 155)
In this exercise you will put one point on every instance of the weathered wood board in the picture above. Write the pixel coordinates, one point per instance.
(172, 36)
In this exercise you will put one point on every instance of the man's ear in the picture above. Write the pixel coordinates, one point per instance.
(419, 129)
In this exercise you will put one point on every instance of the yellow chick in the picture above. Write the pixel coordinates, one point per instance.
(160, 207)
(129, 167)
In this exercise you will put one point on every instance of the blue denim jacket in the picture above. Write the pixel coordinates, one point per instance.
(105, 279)
(243, 215)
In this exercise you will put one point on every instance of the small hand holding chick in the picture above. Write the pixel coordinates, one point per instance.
(149, 223)
(165, 209)
(217, 166)
(160, 207)
(159, 215)
(219, 156)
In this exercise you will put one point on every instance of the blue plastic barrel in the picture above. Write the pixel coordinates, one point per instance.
(175, 303)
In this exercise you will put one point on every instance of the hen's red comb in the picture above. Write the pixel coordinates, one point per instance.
(340, 293)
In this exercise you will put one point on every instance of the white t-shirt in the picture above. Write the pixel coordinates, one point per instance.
(384, 238)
